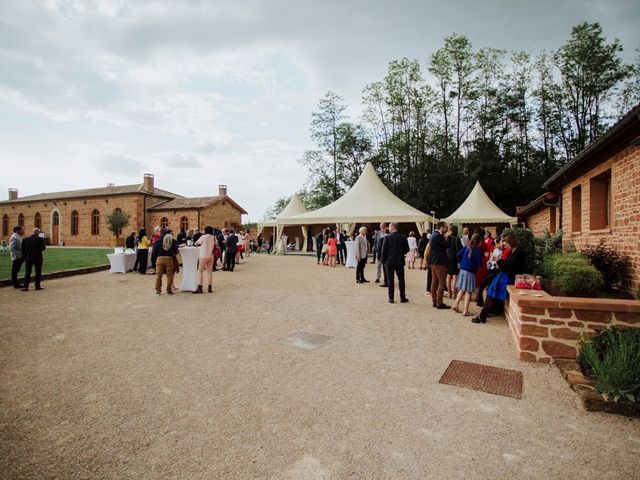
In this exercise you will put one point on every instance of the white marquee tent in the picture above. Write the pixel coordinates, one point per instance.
(478, 208)
(367, 201)
(294, 207)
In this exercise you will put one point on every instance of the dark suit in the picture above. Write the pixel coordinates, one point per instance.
(230, 253)
(394, 248)
(32, 248)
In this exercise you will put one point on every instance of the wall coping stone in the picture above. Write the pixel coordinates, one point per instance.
(574, 303)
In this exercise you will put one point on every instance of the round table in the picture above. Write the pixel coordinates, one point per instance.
(189, 268)
(121, 262)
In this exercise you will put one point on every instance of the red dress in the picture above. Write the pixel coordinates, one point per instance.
(482, 271)
(333, 246)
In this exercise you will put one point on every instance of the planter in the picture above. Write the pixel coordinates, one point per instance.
(546, 328)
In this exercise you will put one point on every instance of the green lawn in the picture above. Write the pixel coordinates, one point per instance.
(58, 259)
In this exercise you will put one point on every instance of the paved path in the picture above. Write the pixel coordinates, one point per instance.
(101, 379)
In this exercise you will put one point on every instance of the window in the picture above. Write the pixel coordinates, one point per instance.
(95, 222)
(552, 219)
(184, 223)
(600, 201)
(21, 220)
(37, 221)
(56, 218)
(75, 222)
(576, 209)
(164, 222)
(5, 225)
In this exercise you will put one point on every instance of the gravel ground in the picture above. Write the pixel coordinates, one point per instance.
(102, 379)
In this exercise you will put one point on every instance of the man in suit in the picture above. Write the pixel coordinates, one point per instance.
(342, 253)
(394, 248)
(15, 249)
(32, 248)
(230, 252)
(438, 260)
(362, 249)
(379, 239)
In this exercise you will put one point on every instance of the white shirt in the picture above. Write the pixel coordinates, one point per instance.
(413, 244)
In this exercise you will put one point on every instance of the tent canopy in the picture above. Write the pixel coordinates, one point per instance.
(368, 201)
(478, 208)
(294, 207)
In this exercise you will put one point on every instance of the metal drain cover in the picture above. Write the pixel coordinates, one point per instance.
(305, 340)
(498, 381)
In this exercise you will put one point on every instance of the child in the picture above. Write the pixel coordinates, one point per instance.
(470, 260)
(4, 246)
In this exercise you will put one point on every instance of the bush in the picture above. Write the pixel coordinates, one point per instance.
(527, 244)
(609, 263)
(613, 359)
(574, 274)
(545, 246)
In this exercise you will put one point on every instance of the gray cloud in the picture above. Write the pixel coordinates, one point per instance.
(120, 164)
(183, 161)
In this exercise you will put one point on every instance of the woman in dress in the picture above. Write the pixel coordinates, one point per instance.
(482, 271)
(509, 268)
(332, 250)
(143, 251)
(207, 243)
(325, 248)
(413, 250)
(454, 246)
(422, 246)
(470, 259)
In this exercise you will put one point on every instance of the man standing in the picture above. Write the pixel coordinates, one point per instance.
(230, 252)
(342, 257)
(394, 248)
(32, 248)
(438, 261)
(15, 250)
(380, 269)
(361, 254)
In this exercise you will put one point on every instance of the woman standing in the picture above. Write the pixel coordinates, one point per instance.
(422, 246)
(166, 247)
(413, 250)
(143, 251)
(470, 260)
(454, 246)
(207, 243)
(332, 250)
(482, 271)
(319, 245)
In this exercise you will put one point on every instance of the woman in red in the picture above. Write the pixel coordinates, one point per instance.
(333, 249)
(482, 271)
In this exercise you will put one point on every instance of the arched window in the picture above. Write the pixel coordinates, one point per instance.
(75, 222)
(184, 223)
(56, 218)
(37, 221)
(21, 220)
(5, 225)
(95, 222)
(164, 222)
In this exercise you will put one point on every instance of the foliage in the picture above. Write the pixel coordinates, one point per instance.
(545, 246)
(613, 359)
(273, 211)
(527, 245)
(609, 263)
(116, 221)
(573, 274)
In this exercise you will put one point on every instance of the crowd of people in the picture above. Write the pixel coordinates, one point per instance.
(461, 267)
(27, 250)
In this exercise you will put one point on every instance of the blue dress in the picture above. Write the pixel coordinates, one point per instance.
(498, 287)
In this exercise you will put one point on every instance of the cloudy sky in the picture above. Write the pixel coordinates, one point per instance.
(201, 93)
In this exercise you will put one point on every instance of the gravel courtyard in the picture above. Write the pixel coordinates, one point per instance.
(102, 379)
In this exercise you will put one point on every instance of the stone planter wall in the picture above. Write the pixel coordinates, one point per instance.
(547, 327)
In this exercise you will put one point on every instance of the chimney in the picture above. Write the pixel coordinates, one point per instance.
(148, 183)
(13, 194)
(222, 190)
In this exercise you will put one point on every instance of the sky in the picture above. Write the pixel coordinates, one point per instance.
(202, 93)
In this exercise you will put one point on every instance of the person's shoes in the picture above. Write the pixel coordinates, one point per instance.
(24, 289)
(480, 303)
(377, 280)
(404, 300)
(383, 285)
(198, 290)
(210, 290)
(359, 281)
(478, 320)
(373, 263)
(435, 305)
(224, 269)
(39, 288)
(17, 286)
(442, 306)
(158, 292)
(456, 309)
(169, 292)
(366, 281)
(391, 300)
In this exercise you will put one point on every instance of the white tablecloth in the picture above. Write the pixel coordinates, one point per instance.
(121, 262)
(351, 254)
(189, 268)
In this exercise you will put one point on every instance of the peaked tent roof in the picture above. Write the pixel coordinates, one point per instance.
(478, 208)
(294, 207)
(367, 201)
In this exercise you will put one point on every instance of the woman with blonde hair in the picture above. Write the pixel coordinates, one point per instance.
(470, 258)
(166, 247)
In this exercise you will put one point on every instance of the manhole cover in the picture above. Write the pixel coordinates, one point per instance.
(498, 381)
(305, 340)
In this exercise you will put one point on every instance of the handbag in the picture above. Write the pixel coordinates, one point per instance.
(325, 248)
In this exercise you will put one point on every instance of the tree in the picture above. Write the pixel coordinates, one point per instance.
(273, 211)
(116, 221)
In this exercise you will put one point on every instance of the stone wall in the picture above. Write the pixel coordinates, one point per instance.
(546, 327)
(155, 219)
(624, 228)
(220, 215)
(540, 221)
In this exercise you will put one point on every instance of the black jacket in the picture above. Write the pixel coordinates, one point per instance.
(32, 248)
(438, 252)
(394, 247)
(232, 243)
(513, 265)
(130, 242)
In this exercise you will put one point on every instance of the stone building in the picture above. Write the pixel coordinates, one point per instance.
(77, 217)
(596, 197)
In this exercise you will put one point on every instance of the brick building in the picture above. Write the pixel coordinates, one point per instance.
(77, 217)
(596, 197)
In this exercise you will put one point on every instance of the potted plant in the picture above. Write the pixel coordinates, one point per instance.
(116, 221)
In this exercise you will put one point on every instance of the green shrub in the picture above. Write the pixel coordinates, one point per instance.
(609, 263)
(613, 359)
(573, 274)
(526, 240)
